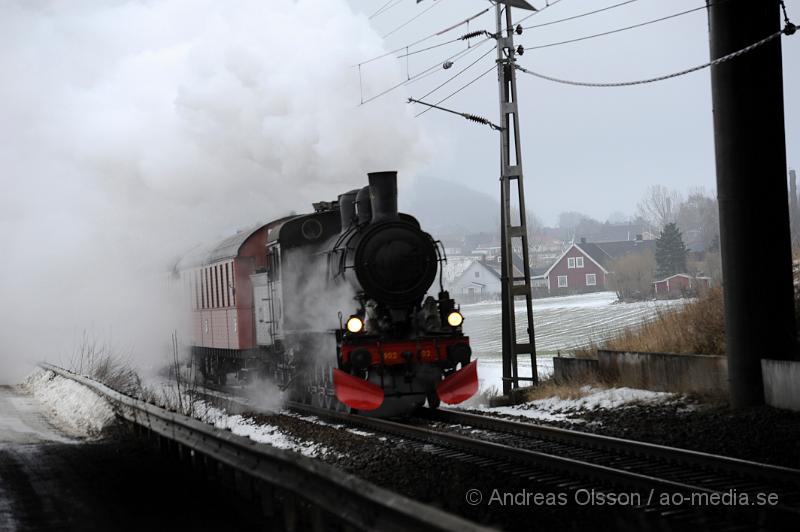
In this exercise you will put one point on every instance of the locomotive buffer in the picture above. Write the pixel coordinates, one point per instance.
(513, 229)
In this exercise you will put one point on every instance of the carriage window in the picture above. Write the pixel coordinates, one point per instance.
(204, 287)
(227, 290)
(213, 275)
(232, 286)
(208, 287)
(218, 284)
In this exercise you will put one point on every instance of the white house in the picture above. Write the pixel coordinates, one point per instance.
(477, 281)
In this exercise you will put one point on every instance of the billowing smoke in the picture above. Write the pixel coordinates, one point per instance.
(132, 130)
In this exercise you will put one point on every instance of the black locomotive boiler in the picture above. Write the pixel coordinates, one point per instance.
(334, 306)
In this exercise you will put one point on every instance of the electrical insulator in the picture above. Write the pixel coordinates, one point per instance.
(518, 29)
(520, 50)
(447, 64)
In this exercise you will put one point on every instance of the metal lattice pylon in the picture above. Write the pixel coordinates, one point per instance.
(515, 283)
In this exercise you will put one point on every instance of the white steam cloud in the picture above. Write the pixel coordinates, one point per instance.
(133, 130)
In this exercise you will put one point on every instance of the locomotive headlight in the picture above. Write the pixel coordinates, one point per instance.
(455, 319)
(355, 324)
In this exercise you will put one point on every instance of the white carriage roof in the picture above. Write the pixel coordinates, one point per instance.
(227, 248)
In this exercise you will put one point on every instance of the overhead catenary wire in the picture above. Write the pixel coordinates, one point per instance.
(454, 76)
(581, 15)
(468, 116)
(412, 19)
(537, 11)
(426, 72)
(788, 30)
(465, 37)
(491, 69)
(617, 30)
(424, 39)
(384, 8)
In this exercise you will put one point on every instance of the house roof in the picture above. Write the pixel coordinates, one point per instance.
(559, 259)
(606, 232)
(485, 266)
(605, 253)
(597, 254)
(539, 271)
(681, 275)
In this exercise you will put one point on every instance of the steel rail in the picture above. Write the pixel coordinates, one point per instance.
(578, 468)
(720, 463)
(547, 463)
(349, 499)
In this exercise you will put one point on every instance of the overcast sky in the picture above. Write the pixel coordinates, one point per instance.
(587, 149)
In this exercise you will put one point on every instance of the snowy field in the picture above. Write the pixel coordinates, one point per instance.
(560, 324)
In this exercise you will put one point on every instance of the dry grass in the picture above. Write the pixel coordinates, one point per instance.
(102, 362)
(563, 390)
(545, 389)
(179, 396)
(697, 328)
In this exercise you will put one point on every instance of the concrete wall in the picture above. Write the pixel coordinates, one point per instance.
(664, 371)
(575, 369)
(781, 378)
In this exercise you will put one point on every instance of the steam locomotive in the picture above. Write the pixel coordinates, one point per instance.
(333, 306)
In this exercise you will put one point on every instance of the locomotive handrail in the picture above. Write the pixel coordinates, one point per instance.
(351, 500)
(441, 253)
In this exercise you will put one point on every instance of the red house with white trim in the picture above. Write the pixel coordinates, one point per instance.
(679, 284)
(586, 267)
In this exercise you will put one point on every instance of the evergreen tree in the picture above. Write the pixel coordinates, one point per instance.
(670, 252)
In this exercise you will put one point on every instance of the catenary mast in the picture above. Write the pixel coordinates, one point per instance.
(515, 278)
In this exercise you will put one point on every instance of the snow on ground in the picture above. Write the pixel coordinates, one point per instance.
(72, 406)
(560, 324)
(260, 432)
(557, 409)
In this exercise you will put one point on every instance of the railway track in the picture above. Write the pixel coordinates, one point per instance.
(559, 459)
(562, 460)
(294, 492)
(697, 469)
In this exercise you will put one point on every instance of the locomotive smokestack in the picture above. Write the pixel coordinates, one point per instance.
(363, 206)
(347, 208)
(383, 193)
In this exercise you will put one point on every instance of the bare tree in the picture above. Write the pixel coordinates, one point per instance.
(659, 206)
(568, 223)
(632, 276)
(698, 220)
